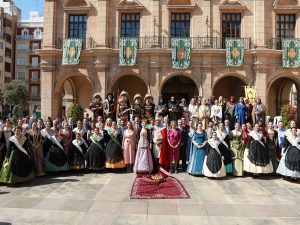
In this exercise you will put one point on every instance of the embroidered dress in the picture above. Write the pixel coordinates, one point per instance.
(114, 152)
(196, 161)
(271, 145)
(157, 141)
(128, 144)
(36, 151)
(46, 142)
(256, 157)
(76, 157)
(224, 147)
(17, 166)
(289, 164)
(95, 155)
(67, 136)
(56, 159)
(143, 161)
(237, 152)
(213, 164)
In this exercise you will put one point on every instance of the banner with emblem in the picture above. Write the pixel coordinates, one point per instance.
(181, 53)
(234, 52)
(291, 53)
(128, 51)
(71, 51)
(250, 93)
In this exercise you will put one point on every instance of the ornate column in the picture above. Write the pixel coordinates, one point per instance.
(154, 77)
(260, 24)
(206, 75)
(49, 34)
(100, 80)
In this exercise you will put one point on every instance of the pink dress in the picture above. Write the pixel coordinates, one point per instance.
(174, 137)
(128, 145)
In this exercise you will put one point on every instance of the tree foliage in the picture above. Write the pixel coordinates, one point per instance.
(288, 114)
(75, 112)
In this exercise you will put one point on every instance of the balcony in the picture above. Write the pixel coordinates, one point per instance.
(165, 42)
(276, 43)
(33, 65)
(88, 43)
(29, 37)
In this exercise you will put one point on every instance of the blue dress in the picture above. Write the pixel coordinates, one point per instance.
(197, 154)
(240, 113)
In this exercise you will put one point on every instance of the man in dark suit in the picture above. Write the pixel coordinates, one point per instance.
(184, 140)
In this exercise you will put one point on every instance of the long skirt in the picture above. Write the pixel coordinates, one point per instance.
(56, 160)
(227, 158)
(95, 157)
(213, 165)
(38, 160)
(252, 168)
(129, 151)
(114, 156)
(195, 166)
(17, 168)
(76, 159)
(288, 159)
(143, 161)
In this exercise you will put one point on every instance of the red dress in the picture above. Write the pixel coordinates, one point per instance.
(173, 138)
(164, 157)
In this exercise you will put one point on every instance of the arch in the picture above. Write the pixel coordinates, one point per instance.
(72, 3)
(230, 74)
(168, 76)
(234, 86)
(132, 84)
(282, 89)
(179, 86)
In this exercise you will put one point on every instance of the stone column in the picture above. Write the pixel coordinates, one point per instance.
(154, 77)
(100, 27)
(207, 83)
(260, 24)
(49, 34)
(100, 81)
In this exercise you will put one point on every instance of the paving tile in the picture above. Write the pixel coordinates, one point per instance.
(257, 221)
(96, 218)
(191, 210)
(129, 219)
(163, 219)
(220, 210)
(194, 220)
(77, 205)
(285, 221)
(220, 220)
(21, 202)
(133, 208)
(51, 204)
(162, 208)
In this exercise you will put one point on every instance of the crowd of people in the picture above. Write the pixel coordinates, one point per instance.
(200, 138)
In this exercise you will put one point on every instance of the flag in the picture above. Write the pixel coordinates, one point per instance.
(291, 53)
(234, 52)
(71, 51)
(128, 51)
(181, 53)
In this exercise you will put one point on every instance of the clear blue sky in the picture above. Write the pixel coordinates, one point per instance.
(30, 5)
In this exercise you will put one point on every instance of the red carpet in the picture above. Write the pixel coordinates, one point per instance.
(144, 187)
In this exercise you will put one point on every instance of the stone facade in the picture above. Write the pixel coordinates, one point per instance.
(99, 70)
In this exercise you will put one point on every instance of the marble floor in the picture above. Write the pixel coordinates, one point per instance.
(103, 198)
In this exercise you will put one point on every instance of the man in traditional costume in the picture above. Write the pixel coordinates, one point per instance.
(123, 106)
(110, 107)
(138, 109)
(161, 109)
(259, 111)
(149, 107)
(96, 105)
(173, 109)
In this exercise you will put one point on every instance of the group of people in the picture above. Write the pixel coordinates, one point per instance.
(210, 140)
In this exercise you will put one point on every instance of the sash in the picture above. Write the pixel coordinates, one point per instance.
(256, 136)
(114, 138)
(222, 137)
(215, 145)
(53, 139)
(294, 141)
(44, 133)
(96, 142)
(19, 146)
(76, 130)
(74, 142)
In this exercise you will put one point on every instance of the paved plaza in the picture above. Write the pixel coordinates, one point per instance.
(93, 198)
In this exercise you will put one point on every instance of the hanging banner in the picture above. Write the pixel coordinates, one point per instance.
(181, 53)
(234, 52)
(128, 51)
(250, 93)
(71, 51)
(291, 53)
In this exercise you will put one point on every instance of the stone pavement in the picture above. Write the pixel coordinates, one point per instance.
(93, 198)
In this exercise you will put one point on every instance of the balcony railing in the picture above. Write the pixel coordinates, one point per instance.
(88, 43)
(165, 42)
(29, 37)
(276, 43)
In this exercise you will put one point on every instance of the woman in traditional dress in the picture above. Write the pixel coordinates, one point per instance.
(114, 152)
(271, 141)
(67, 138)
(36, 150)
(216, 113)
(237, 150)
(204, 113)
(17, 165)
(56, 158)
(95, 155)
(289, 164)
(224, 147)
(79, 129)
(143, 161)
(77, 154)
(245, 134)
(213, 162)
(128, 145)
(90, 132)
(256, 157)
(190, 138)
(198, 146)
(240, 112)
(7, 132)
(174, 139)
(47, 133)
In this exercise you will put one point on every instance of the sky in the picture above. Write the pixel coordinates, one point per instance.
(30, 5)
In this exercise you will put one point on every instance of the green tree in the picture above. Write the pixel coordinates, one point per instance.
(16, 95)
(75, 112)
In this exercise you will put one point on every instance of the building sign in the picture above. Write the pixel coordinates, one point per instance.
(234, 52)
(181, 53)
(71, 51)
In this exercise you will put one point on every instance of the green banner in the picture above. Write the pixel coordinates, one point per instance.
(234, 52)
(128, 51)
(291, 53)
(181, 53)
(71, 51)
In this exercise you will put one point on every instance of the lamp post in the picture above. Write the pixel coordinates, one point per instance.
(207, 26)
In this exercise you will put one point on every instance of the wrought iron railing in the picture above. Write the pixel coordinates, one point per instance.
(88, 43)
(165, 42)
(276, 43)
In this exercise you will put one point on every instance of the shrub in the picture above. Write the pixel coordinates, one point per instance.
(75, 112)
(288, 114)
